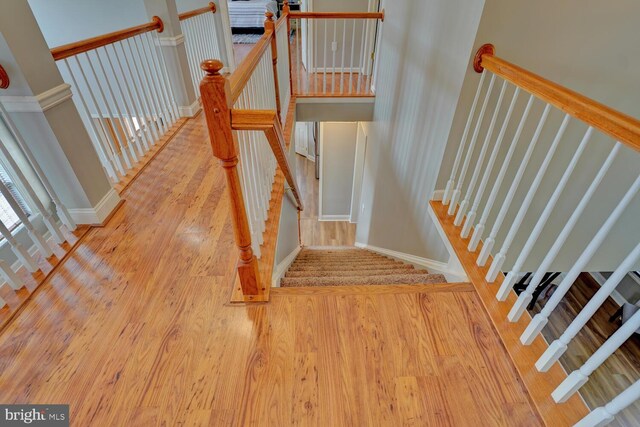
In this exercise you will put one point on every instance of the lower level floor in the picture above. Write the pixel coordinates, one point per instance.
(135, 328)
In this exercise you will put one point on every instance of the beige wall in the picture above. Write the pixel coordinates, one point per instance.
(337, 156)
(422, 57)
(591, 47)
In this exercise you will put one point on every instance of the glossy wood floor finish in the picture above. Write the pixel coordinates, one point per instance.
(619, 371)
(134, 329)
(314, 232)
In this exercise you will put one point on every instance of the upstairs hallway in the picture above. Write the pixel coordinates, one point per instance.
(135, 328)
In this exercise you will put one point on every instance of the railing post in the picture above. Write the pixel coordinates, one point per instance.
(285, 10)
(215, 92)
(270, 25)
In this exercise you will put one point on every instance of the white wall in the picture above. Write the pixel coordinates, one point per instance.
(66, 21)
(602, 64)
(424, 50)
(337, 155)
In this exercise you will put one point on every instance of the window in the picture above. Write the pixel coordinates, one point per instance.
(7, 215)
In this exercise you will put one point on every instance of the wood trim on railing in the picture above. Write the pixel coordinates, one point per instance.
(619, 126)
(238, 80)
(4, 78)
(337, 15)
(71, 49)
(190, 14)
(215, 94)
(268, 122)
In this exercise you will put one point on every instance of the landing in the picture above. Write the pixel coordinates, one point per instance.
(134, 330)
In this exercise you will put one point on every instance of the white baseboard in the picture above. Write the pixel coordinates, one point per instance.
(337, 70)
(191, 110)
(171, 41)
(283, 266)
(334, 217)
(97, 214)
(432, 265)
(38, 103)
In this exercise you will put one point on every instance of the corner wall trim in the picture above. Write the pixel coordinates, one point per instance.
(171, 41)
(430, 264)
(99, 213)
(283, 266)
(38, 103)
(190, 110)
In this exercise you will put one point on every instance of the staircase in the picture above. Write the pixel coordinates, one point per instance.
(348, 265)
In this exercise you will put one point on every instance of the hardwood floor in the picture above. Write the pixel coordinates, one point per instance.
(240, 51)
(134, 329)
(619, 371)
(314, 232)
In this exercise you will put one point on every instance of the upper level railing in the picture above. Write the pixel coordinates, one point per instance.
(201, 39)
(122, 89)
(333, 54)
(244, 113)
(26, 199)
(478, 153)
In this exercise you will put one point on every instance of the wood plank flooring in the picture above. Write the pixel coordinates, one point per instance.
(314, 232)
(134, 329)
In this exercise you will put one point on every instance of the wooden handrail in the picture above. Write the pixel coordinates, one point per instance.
(268, 122)
(4, 78)
(337, 15)
(67, 50)
(619, 126)
(243, 72)
(190, 14)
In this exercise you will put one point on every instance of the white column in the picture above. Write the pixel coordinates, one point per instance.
(472, 144)
(496, 265)
(541, 319)
(506, 204)
(559, 346)
(527, 295)
(605, 414)
(175, 55)
(579, 377)
(507, 284)
(456, 163)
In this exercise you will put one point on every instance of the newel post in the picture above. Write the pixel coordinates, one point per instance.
(215, 92)
(286, 10)
(270, 25)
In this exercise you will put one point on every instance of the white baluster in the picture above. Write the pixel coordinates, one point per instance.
(506, 204)
(487, 173)
(344, 35)
(559, 346)
(479, 228)
(152, 85)
(2, 302)
(496, 265)
(353, 48)
(579, 377)
(9, 276)
(298, 71)
(324, 60)
(603, 415)
(60, 208)
(161, 69)
(527, 295)
(333, 52)
(541, 319)
(507, 284)
(467, 159)
(23, 256)
(479, 164)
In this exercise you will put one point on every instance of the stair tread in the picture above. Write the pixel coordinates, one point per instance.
(364, 280)
(367, 272)
(348, 267)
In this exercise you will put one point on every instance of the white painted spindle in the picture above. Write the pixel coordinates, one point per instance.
(603, 415)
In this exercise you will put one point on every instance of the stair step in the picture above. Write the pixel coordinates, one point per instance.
(346, 261)
(355, 256)
(390, 279)
(347, 266)
(339, 273)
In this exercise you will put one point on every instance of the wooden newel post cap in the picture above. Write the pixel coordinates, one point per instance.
(269, 15)
(158, 21)
(4, 78)
(211, 66)
(485, 49)
(212, 5)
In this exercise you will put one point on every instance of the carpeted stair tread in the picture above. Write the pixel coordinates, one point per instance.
(340, 273)
(354, 256)
(391, 279)
(346, 266)
(349, 261)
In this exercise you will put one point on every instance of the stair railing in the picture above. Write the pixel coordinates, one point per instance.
(27, 198)
(244, 122)
(122, 90)
(338, 55)
(201, 39)
(465, 199)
